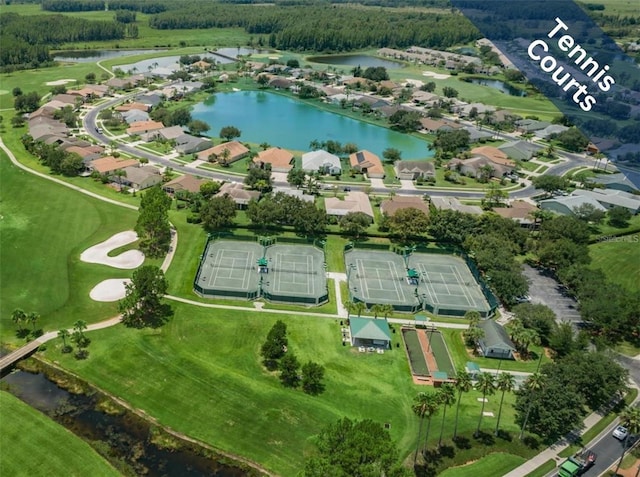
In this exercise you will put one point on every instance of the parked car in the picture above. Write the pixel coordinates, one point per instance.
(347, 189)
(620, 433)
(523, 299)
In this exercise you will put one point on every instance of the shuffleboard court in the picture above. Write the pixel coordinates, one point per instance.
(441, 353)
(417, 361)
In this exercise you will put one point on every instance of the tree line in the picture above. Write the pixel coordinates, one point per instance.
(315, 27)
(143, 6)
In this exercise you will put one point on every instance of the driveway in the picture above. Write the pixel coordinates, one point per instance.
(546, 290)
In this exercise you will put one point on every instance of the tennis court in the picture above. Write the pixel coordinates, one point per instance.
(296, 274)
(447, 285)
(380, 277)
(228, 269)
(441, 353)
(417, 361)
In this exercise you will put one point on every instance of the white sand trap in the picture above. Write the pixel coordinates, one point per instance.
(59, 82)
(127, 260)
(433, 75)
(413, 82)
(109, 290)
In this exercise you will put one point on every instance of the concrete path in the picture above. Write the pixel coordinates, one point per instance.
(337, 278)
(406, 184)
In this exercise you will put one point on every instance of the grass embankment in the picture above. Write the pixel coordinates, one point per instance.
(543, 470)
(619, 260)
(493, 464)
(44, 229)
(68, 455)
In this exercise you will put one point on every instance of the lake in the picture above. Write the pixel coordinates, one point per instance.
(364, 61)
(172, 62)
(281, 121)
(91, 56)
(497, 84)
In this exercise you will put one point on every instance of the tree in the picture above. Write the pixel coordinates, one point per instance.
(142, 306)
(463, 385)
(419, 408)
(619, 217)
(405, 121)
(409, 222)
(229, 132)
(90, 78)
(19, 317)
(209, 189)
(450, 142)
(312, 376)
(198, 127)
(538, 317)
(354, 448)
(573, 140)
(629, 418)
(495, 196)
(505, 383)
(449, 92)
(355, 223)
(549, 183)
(275, 345)
(451, 226)
(78, 336)
(296, 176)
(258, 178)
(218, 213)
(588, 213)
(376, 310)
(289, 367)
(391, 154)
(563, 342)
(293, 63)
(153, 225)
(179, 117)
(486, 386)
(431, 407)
(64, 335)
(33, 317)
(447, 396)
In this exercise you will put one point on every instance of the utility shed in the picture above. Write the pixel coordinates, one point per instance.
(495, 343)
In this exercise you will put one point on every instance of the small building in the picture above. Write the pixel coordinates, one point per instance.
(531, 125)
(473, 369)
(132, 106)
(451, 203)
(188, 144)
(495, 343)
(236, 151)
(370, 332)
(389, 207)
(520, 211)
(109, 164)
(280, 160)
(297, 193)
(520, 150)
(609, 198)
(168, 134)
(412, 170)
(367, 163)
(140, 178)
(618, 181)
(321, 161)
(238, 193)
(185, 183)
(141, 127)
(566, 205)
(354, 201)
(135, 115)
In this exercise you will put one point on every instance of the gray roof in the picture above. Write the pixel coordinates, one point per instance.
(620, 178)
(415, 166)
(519, 150)
(312, 161)
(611, 197)
(368, 329)
(570, 202)
(495, 336)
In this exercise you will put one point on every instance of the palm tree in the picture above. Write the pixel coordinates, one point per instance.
(463, 385)
(419, 409)
(377, 310)
(63, 335)
(528, 337)
(33, 318)
(629, 418)
(505, 382)
(487, 387)
(447, 395)
(18, 316)
(386, 310)
(359, 307)
(432, 404)
(534, 383)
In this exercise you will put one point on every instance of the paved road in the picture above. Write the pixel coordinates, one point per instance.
(546, 290)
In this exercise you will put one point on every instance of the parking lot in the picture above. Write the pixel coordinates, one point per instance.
(547, 291)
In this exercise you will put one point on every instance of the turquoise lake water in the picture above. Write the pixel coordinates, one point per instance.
(291, 124)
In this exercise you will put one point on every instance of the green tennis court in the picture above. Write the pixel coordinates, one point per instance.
(416, 357)
(441, 353)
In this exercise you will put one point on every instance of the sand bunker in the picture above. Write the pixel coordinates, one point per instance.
(59, 82)
(433, 75)
(127, 260)
(110, 290)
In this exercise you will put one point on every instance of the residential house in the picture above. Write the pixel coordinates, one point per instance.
(140, 178)
(434, 125)
(298, 193)
(236, 151)
(188, 144)
(372, 101)
(475, 167)
(238, 193)
(465, 109)
(495, 155)
(133, 106)
(389, 207)
(610, 198)
(618, 181)
(337, 98)
(531, 125)
(200, 65)
(368, 332)
(109, 164)
(280, 83)
(519, 211)
(354, 201)
(476, 134)
(496, 342)
(424, 97)
(520, 150)
(141, 127)
(280, 159)
(184, 183)
(321, 161)
(119, 83)
(66, 99)
(152, 99)
(451, 203)
(367, 163)
(135, 115)
(412, 170)
(87, 153)
(550, 130)
(168, 134)
(566, 205)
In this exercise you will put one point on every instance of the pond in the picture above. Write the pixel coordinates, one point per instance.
(497, 84)
(281, 121)
(364, 61)
(91, 56)
(120, 432)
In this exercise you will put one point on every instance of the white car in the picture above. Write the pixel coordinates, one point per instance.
(523, 299)
(620, 433)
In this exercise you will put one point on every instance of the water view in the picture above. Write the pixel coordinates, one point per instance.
(354, 60)
(499, 85)
(91, 56)
(285, 122)
(171, 62)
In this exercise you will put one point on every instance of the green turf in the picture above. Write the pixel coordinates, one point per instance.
(619, 261)
(543, 470)
(440, 353)
(43, 230)
(31, 444)
(414, 350)
(493, 464)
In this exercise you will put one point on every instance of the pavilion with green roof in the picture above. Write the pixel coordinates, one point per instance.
(370, 332)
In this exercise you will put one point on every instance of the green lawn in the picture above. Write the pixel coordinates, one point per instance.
(493, 464)
(619, 261)
(32, 444)
(543, 470)
(44, 229)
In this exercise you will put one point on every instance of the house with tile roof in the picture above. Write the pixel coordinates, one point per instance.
(280, 159)
(412, 170)
(109, 164)
(389, 207)
(354, 201)
(236, 151)
(184, 183)
(367, 163)
(238, 193)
